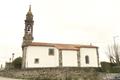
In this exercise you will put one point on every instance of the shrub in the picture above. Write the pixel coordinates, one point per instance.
(17, 63)
(116, 69)
(106, 66)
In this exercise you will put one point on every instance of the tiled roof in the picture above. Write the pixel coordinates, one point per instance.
(42, 44)
(66, 46)
(63, 46)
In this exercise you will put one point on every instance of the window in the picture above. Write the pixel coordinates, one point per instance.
(51, 52)
(36, 61)
(87, 59)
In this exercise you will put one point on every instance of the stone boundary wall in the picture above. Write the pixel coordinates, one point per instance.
(54, 73)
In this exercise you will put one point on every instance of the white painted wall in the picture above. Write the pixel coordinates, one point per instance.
(41, 52)
(69, 58)
(92, 53)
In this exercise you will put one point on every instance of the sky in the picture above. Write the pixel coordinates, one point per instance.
(59, 21)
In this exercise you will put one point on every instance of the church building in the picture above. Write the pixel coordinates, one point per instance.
(43, 54)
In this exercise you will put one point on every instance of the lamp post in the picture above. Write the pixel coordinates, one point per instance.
(13, 56)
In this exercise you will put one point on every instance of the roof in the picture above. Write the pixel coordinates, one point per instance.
(62, 46)
(29, 12)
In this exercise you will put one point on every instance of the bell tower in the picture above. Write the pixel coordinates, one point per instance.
(28, 35)
(28, 31)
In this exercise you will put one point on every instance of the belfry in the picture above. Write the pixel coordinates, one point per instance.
(28, 31)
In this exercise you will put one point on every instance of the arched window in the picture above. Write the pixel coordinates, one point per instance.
(87, 59)
(28, 28)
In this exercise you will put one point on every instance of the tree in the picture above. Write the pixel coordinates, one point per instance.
(113, 53)
(17, 63)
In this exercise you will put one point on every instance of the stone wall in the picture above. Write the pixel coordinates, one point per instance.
(54, 73)
(9, 65)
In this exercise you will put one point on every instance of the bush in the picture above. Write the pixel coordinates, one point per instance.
(113, 64)
(116, 69)
(17, 63)
(110, 67)
(106, 66)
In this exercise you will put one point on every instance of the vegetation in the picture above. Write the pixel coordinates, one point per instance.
(17, 63)
(113, 53)
(110, 67)
(106, 67)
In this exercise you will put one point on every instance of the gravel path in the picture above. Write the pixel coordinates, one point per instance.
(3, 78)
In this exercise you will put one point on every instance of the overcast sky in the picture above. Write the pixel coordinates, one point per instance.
(59, 21)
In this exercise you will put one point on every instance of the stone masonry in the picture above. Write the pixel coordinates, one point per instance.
(54, 73)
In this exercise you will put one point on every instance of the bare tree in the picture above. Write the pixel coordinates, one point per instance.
(113, 53)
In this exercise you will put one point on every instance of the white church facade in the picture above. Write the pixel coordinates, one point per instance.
(40, 54)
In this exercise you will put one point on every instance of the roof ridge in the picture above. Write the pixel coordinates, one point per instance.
(61, 44)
